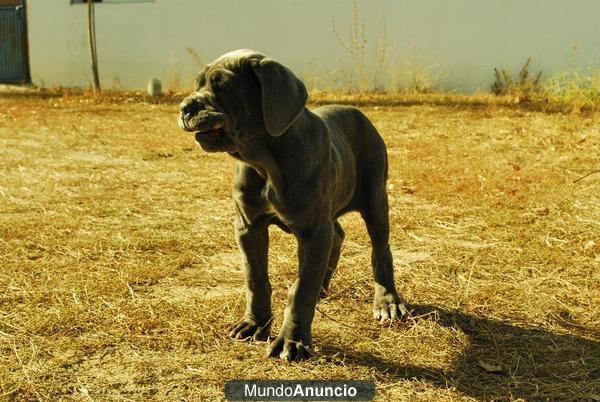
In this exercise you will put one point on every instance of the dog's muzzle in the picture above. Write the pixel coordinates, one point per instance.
(199, 117)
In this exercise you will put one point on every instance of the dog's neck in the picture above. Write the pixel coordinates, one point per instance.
(268, 154)
(261, 159)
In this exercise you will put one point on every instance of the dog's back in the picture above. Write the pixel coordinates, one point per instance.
(351, 130)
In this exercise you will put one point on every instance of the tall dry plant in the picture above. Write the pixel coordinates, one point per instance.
(195, 56)
(368, 65)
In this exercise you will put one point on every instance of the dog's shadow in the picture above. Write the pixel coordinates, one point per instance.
(502, 361)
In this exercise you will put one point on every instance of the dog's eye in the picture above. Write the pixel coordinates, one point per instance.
(220, 80)
(221, 87)
(224, 88)
(217, 81)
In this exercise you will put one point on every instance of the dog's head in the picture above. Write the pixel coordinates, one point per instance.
(239, 96)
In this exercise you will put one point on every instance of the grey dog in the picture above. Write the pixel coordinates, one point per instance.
(299, 169)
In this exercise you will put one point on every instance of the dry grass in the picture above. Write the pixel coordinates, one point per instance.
(120, 273)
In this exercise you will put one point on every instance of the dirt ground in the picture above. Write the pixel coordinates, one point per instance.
(120, 275)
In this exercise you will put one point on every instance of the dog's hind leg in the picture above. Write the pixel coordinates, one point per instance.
(338, 238)
(387, 303)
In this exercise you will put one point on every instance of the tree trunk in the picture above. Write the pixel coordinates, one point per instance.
(92, 44)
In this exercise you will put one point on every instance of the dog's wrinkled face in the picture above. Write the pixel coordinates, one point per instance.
(240, 96)
(225, 108)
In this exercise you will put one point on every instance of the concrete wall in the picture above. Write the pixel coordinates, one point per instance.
(457, 41)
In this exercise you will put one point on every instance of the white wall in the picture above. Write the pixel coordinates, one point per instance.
(465, 39)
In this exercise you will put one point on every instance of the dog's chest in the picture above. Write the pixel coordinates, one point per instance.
(269, 200)
(290, 202)
(256, 201)
(264, 201)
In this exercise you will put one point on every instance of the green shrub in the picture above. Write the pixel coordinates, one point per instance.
(525, 86)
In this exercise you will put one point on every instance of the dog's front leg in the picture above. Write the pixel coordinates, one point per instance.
(294, 339)
(253, 242)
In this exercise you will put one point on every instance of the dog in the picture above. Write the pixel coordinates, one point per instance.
(301, 170)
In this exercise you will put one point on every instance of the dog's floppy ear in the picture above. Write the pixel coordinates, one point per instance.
(283, 95)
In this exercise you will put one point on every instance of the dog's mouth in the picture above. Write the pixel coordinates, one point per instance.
(203, 122)
(212, 137)
(214, 129)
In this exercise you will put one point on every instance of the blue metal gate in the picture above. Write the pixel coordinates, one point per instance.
(13, 50)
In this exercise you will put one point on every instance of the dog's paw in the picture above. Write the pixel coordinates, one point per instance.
(288, 349)
(388, 306)
(248, 330)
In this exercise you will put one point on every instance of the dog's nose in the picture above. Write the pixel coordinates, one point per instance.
(189, 106)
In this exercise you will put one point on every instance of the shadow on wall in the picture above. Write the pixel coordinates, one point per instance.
(534, 363)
